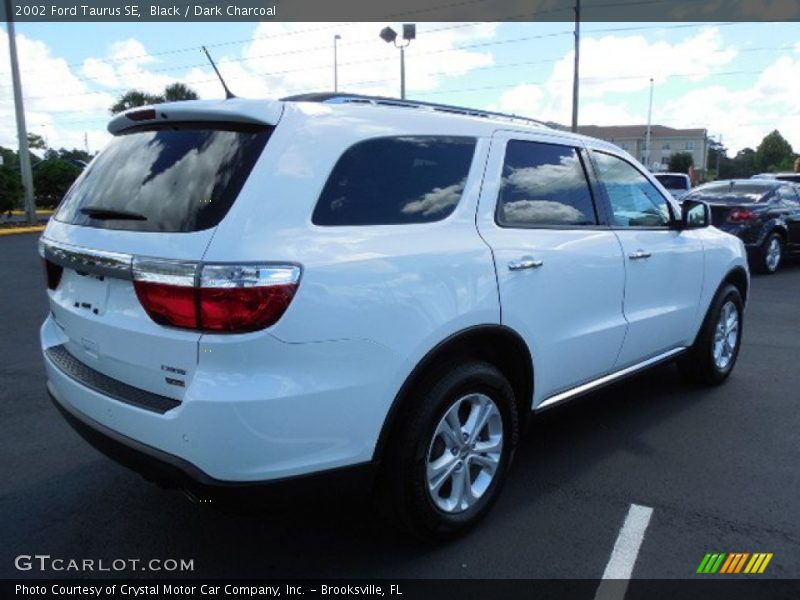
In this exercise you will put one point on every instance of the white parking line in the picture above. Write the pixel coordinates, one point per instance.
(623, 556)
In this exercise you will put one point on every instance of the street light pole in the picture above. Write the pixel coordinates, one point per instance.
(22, 132)
(336, 38)
(649, 117)
(389, 35)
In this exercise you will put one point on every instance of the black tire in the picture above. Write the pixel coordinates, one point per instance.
(403, 493)
(765, 262)
(699, 363)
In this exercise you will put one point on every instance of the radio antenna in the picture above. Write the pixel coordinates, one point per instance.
(228, 93)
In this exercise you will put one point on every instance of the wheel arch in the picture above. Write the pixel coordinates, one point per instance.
(497, 344)
(738, 278)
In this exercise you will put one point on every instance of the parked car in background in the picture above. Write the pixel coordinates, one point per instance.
(788, 176)
(677, 184)
(763, 212)
(250, 293)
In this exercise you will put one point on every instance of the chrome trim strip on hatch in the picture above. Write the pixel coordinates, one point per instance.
(87, 260)
(606, 379)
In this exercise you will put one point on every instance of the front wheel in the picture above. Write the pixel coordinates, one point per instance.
(712, 357)
(448, 461)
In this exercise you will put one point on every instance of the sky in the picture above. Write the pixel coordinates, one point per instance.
(737, 80)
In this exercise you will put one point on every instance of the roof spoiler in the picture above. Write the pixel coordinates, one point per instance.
(233, 110)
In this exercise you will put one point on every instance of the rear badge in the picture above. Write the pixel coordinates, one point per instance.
(176, 370)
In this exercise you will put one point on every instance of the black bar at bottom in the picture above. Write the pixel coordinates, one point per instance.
(714, 587)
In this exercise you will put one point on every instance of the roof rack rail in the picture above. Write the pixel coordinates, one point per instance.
(341, 98)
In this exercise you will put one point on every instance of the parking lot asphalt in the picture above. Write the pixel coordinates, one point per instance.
(720, 467)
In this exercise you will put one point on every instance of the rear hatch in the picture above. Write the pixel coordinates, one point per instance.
(149, 203)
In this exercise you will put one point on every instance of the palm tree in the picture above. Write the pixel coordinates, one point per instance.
(172, 93)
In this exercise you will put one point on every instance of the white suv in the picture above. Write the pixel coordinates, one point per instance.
(245, 293)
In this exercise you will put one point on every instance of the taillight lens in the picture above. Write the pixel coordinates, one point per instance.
(52, 273)
(245, 297)
(739, 215)
(224, 298)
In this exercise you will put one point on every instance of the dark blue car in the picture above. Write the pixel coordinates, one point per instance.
(764, 213)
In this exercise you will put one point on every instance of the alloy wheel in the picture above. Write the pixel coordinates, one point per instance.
(464, 453)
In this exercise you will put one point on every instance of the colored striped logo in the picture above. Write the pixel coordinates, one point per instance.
(734, 562)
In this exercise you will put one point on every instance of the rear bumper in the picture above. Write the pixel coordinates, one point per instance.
(174, 472)
(256, 410)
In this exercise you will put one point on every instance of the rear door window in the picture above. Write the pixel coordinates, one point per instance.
(544, 185)
(396, 180)
(179, 178)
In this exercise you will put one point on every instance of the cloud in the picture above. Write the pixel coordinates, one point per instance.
(436, 201)
(615, 69)
(52, 92)
(616, 64)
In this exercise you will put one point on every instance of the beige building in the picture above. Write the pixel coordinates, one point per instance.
(664, 141)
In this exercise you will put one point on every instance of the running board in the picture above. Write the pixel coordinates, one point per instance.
(585, 388)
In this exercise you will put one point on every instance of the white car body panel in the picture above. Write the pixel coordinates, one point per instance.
(569, 310)
(313, 391)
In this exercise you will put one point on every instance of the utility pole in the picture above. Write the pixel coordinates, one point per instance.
(719, 151)
(649, 117)
(576, 69)
(22, 132)
(402, 72)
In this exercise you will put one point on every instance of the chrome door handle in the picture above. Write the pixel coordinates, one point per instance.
(525, 263)
(639, 255)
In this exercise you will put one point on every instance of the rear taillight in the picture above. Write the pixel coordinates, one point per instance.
(739, 215)
(214, 297)
(52, 273)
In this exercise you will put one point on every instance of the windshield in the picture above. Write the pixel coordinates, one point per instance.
(173, 179)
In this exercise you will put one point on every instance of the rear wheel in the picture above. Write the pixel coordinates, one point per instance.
(771, 254)
(716, 349)
(449, 458)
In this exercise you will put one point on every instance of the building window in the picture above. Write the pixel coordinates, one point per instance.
(665, 147)
(689, 145)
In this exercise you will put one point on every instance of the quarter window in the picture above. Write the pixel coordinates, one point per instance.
(543, 185)
(635, 202)
(396, 180)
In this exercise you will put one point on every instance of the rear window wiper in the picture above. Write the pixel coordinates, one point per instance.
(98, 212)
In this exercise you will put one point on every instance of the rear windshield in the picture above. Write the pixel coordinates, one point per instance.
(789, 177)
(731, 194)
(673, 182)
(170, 179)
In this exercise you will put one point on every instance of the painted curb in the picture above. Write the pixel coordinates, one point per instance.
(16, 230)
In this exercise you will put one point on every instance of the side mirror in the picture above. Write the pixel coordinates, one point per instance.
(695, 214)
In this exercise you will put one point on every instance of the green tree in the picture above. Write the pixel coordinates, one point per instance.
(774, 153)
(172, 93)
(51, 180)
(743, 164)
(10, 188)
(680, 162)
(134, 98)
(36, 141)
(178, 91)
